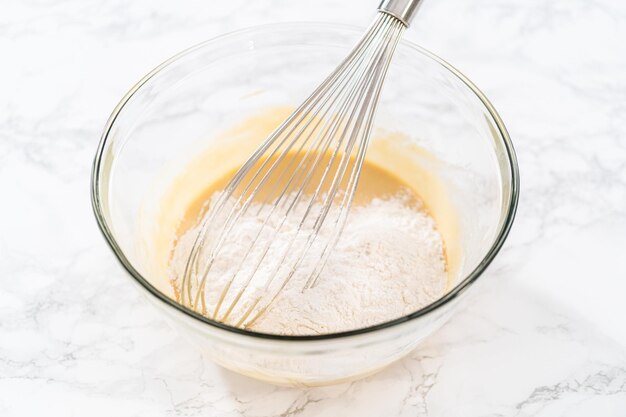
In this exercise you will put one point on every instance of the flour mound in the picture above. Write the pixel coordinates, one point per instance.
(388, 262)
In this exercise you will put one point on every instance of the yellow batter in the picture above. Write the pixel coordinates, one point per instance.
(392, 164)
(375, 182)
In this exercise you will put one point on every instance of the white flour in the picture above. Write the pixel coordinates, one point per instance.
(388, 263)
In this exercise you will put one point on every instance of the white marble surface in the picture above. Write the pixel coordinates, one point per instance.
(546, 336)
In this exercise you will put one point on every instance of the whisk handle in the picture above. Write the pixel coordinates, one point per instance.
(400, 9)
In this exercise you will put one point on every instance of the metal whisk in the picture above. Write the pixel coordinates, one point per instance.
(308, 169)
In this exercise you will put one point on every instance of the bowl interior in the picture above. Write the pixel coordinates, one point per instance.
(183, 107)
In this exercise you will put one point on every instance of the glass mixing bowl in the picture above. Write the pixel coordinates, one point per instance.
(180, 107)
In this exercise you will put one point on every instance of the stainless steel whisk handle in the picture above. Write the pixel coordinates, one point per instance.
(404, 10)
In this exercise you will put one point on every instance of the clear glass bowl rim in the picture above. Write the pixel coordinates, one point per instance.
(464, 284)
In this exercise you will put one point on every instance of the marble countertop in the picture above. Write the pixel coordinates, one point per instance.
(546, 335)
